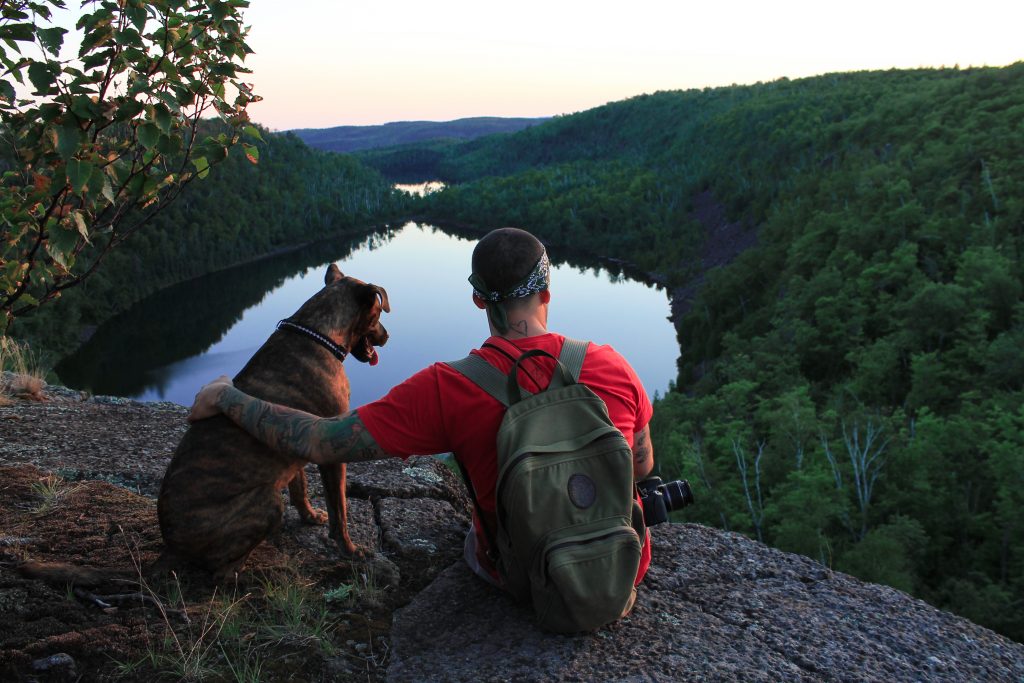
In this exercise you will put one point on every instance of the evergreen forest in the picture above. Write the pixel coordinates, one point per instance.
(851, 384)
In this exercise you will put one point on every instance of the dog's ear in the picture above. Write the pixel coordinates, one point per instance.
(372, 294)
(333, 274)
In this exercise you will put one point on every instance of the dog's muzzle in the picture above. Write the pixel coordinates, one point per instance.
(363, 348)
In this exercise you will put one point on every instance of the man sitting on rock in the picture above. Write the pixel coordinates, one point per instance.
(439, 410)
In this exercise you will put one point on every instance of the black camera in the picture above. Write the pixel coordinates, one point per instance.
(660, 499)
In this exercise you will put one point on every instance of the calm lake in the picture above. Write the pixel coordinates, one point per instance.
(169, 345)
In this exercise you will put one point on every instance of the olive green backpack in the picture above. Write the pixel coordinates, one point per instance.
(569, 530)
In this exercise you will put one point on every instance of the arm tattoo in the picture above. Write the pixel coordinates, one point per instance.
(643, 452)
(296, 433)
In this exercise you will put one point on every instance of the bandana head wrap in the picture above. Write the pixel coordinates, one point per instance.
(535, 281)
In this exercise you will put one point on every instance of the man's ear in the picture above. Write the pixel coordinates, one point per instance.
(478, 302)
(333, 274)
(545, 296)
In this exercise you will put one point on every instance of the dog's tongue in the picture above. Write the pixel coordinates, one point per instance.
(374, 358)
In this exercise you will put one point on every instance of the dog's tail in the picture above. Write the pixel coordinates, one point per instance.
(62, 573)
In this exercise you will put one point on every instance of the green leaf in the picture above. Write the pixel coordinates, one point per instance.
(214, 149)
(169, 145)
(7, 93)
(128, 110)
(136, 15)
(43, 75)
(51, 39)
(69, 137)
(79, 172)
(98, 37)
(149, 134)
(13, 269)
(79, 220)
(128, 38)
(172, 104)
(106, 190)
(84, 108)
(183, 95)
(202, 166)
(21, 32)
(97, 180)
(252, 153)
(253, 132)
(119, 171)
(61, 244)
(226, 69)
(219, 10)
(150, 187)
(135, 185)
(50, 111)
(12, 13)
(162, 116)
(137, 85)
(28, 299)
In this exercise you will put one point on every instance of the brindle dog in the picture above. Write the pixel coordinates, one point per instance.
(221, 495)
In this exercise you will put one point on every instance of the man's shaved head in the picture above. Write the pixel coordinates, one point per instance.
(503, 257)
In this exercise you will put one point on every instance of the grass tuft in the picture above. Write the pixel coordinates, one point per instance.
(27, 378)
(294, 616)
(235, 639)
(51, 490)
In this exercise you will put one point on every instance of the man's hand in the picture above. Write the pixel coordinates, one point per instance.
(205, 404)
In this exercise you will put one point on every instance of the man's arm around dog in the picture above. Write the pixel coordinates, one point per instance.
(325, 440)
(292, 432)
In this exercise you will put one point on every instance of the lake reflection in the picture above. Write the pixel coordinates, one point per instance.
(169, 345)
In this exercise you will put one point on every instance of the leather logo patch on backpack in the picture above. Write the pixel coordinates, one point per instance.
(582, 491)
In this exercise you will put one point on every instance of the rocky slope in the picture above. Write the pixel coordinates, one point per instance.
(715, 606)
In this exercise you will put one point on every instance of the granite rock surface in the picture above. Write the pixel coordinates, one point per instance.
(715, 606)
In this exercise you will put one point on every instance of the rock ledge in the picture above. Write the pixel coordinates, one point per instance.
(715, 606)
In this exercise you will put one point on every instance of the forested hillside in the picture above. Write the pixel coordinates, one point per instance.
(852, 387)
(353, 138)
(294, 195)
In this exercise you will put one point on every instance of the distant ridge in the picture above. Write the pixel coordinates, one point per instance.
(354, 138)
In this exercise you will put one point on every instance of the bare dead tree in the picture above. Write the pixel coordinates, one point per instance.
(756, 509)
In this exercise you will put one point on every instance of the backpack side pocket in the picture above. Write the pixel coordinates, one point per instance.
(587, 580)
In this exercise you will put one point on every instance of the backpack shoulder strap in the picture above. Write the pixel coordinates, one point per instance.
(572, 355)
(484, 375)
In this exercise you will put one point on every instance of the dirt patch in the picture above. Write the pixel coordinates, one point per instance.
(81, 523)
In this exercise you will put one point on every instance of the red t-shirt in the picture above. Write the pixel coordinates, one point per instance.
(439, 410)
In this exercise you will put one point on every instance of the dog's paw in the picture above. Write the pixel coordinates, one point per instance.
(351, 551)
(313, 516)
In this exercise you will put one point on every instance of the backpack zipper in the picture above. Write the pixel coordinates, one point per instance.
(504, 475)
(628, 531)
(508, 470)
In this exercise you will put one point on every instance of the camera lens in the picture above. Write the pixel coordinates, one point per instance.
(677, 494)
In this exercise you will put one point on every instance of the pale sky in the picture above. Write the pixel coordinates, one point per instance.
(322, 63)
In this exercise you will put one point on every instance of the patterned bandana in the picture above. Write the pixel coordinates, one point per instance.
(536, 281)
